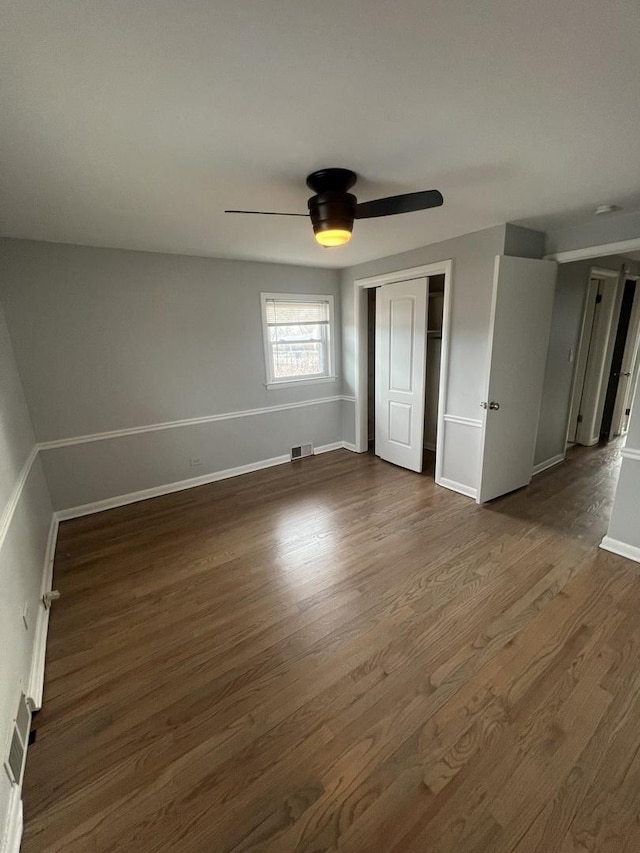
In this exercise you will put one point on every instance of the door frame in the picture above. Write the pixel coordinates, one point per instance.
(584, 341)
(633, 339)
(360, 286)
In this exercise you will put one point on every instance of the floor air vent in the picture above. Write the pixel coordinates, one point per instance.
(19, 741)
(301, 450)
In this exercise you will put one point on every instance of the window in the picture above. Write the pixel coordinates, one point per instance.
(298, 338)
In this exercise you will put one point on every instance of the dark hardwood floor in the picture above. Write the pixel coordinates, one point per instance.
(339, 655)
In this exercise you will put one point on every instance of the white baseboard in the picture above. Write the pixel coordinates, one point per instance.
(168, 488)
(461, 488)
(622, 549)
(13, 829)
(349, 446)
(36, 677)
(327, 448)
(548, 463)
(181, 485)
(630, 453)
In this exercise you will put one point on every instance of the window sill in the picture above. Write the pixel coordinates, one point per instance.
(296, 383)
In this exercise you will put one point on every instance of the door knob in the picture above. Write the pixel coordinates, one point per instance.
(493, 406)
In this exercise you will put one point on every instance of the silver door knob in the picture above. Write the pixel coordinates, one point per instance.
(494, 406)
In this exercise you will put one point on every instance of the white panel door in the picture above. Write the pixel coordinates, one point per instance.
(628, 369)
(401, 335)
(523, 292)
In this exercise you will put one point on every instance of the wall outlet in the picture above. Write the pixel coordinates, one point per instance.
(194, 461)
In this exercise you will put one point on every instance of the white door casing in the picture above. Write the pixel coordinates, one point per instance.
(401, 326)
(599, 353)
(582, 353)
(523, 293)
(626, 384)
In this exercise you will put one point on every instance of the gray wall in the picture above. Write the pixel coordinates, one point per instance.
(87, 473)
(624, 526)
(109, 339)
(473, 258)
(522, 242)
(599, 230)
(23, 538)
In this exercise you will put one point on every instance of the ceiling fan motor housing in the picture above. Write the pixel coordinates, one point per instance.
(333, 206)
(331, 210)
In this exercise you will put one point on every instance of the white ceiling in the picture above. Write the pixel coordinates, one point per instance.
(135, 124)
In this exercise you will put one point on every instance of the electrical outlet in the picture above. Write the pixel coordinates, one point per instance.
(26, 615)
(194, 461)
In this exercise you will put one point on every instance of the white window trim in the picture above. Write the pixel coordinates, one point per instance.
(272, 383)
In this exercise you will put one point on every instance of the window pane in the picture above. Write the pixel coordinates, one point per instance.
(298, 359)
(297, 312)
(311, 332)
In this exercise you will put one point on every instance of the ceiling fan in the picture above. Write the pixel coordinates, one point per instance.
(333, 208)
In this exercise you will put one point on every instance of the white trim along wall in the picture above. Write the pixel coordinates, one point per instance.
(33, 689)
(602, 251)
(627, 525)
(11, 832)
(29, 554)
(181, 485)
(112, 440)
(205, 419)
(67, 513)
(14, 498)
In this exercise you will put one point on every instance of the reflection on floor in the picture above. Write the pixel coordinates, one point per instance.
(338, 654)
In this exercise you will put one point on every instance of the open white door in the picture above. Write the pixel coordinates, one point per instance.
(523, 292)
(401, 333)
(626, 385)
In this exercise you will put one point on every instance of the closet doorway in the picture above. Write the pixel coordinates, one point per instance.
(405, 322)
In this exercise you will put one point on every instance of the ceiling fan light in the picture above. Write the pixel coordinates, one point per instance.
(333, 237)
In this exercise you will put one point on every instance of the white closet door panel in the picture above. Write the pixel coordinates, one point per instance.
(401, 315)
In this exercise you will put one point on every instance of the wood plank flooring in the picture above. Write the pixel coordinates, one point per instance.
(338, 655)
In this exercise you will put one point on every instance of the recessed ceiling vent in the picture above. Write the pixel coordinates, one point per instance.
(301, 451)
(15, 761)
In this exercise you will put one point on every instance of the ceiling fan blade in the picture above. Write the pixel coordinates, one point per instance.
(267, 213)
(406, 203)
